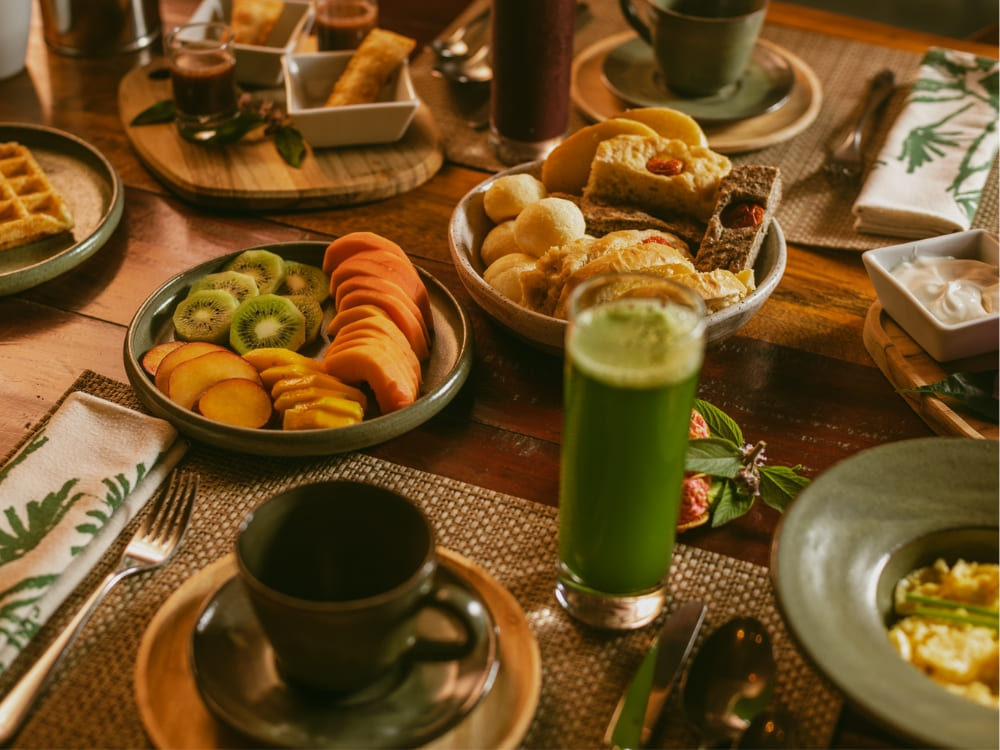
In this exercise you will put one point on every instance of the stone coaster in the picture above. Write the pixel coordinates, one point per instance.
(91, 701)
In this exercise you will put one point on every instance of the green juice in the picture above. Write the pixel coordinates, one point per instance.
(631, 376)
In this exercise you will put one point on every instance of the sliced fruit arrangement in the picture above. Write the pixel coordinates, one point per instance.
(239, 330)
(383, 325)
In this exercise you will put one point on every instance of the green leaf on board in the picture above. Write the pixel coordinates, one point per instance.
(162, 111)
(976, 391)
(290, 144)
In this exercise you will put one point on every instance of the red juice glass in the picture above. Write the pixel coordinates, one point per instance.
(532, 48)
(203, 75)
(343, 24)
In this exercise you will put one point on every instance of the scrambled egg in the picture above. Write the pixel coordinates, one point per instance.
(962, 657)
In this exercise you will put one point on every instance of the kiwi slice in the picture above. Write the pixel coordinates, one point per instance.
(302, 278)
(267, 268)
(312, 311)
(267, 320)
(240, 285)
(205, 316)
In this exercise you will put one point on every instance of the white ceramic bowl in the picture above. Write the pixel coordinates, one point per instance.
(260, 65)
(470, 224)
(943, 341)
(309, 79)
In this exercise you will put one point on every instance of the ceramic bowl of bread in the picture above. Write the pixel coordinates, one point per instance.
(352, 98)
(639, 192)
(264, 32)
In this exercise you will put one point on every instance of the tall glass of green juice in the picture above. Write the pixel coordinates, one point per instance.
(634, 348)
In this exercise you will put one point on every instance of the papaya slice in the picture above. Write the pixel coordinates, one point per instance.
(372, 361)
(358, 313)
(402, 314)
(383, 326)
(344, 247)
(403, 355)
(388, 265)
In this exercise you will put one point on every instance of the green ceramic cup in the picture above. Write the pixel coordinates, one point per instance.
(702, 47)
(337, 574)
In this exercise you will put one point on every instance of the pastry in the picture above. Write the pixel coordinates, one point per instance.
(253, 20)
(30, 207)
(377, 57)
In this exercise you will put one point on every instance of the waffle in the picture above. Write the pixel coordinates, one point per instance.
(30, 208)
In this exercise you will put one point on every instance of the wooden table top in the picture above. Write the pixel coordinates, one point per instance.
(798, 376)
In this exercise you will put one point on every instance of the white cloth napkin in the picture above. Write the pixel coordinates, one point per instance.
(65, 497)
(930, 173)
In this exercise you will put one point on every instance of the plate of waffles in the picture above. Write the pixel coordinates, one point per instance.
(60, 201)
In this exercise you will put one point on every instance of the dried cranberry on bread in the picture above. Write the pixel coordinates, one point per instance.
(748, 197)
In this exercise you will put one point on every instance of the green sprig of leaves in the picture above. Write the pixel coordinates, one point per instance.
(976, 391)
(738, 473)
(287, 140)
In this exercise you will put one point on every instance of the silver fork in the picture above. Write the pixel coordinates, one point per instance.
(153, 543)
(846, 159)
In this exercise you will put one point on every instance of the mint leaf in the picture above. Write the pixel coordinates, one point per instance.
(236, 128)
(162, 111)
(729, 504)
(779, 485)
(290, 145)
(719, 423)
(713, 456)
(976, 391)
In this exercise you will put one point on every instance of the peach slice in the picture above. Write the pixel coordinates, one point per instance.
(191, 378)
(236, 401)
(189, 350)
(154, 355)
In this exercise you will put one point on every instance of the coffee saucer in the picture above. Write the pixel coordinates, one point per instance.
(174, 713)
(591, 94)
(632, 73)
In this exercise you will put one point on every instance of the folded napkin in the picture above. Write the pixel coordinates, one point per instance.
(930, 173)
(65, 497)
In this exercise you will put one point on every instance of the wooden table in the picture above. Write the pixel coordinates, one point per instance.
(798, 376)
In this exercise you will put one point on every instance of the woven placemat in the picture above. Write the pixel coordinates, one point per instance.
(91, 702)
(814, 211)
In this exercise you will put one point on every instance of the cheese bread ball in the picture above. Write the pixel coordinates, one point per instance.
(547, 223)
(508, 195)
(504, 274)
(498, 242)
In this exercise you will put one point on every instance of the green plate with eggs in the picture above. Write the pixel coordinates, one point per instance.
(444, 372)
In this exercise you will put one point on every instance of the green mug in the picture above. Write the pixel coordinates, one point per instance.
(337, 573)
(701, 46)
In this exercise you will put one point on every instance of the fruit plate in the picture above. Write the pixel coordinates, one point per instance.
(444, 373)
(470, 224)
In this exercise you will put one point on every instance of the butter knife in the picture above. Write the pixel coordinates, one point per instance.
(640, 706)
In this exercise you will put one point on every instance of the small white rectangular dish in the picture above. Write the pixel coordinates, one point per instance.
(927, 307)
(260, 65)
(309, 79)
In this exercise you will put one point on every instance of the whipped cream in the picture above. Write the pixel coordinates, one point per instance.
(953, 290)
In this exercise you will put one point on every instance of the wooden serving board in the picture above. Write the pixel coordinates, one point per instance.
(907, 365)
(251, 174)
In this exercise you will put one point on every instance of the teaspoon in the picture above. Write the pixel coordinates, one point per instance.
(730, 681)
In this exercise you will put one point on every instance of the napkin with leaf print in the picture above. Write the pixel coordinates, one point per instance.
(930, 173)
(65, 496)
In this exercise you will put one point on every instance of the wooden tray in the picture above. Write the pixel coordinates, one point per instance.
(252, 175)
(907, 365)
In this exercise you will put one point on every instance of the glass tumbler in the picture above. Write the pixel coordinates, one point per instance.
(202, 64)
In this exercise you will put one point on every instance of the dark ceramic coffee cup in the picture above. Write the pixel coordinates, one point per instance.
(337, 573)
(701, 46)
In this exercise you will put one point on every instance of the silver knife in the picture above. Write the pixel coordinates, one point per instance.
(640, 706)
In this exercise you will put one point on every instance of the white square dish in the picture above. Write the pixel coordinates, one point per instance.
(260, 65)
(309, 79)
(943, 341)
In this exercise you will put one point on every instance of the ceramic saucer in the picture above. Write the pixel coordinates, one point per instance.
(631, 72)
(234, 669)
(595, 99)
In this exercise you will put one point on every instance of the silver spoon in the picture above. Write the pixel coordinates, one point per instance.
(455, 45)
(730, 681)
(473, 69)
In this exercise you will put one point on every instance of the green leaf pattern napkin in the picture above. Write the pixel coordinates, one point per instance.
(930, 173)
(64, 498)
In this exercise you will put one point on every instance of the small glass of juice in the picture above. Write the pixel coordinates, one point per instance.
(634, 348)
(343, 24)
(203, 75)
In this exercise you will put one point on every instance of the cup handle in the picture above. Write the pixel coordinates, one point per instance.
(635, 20)
(462, 607)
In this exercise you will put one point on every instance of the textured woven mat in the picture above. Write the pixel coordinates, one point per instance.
(813, 211)
(91, 703)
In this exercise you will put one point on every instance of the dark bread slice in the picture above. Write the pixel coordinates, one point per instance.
(735, 248)
(604, 218)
